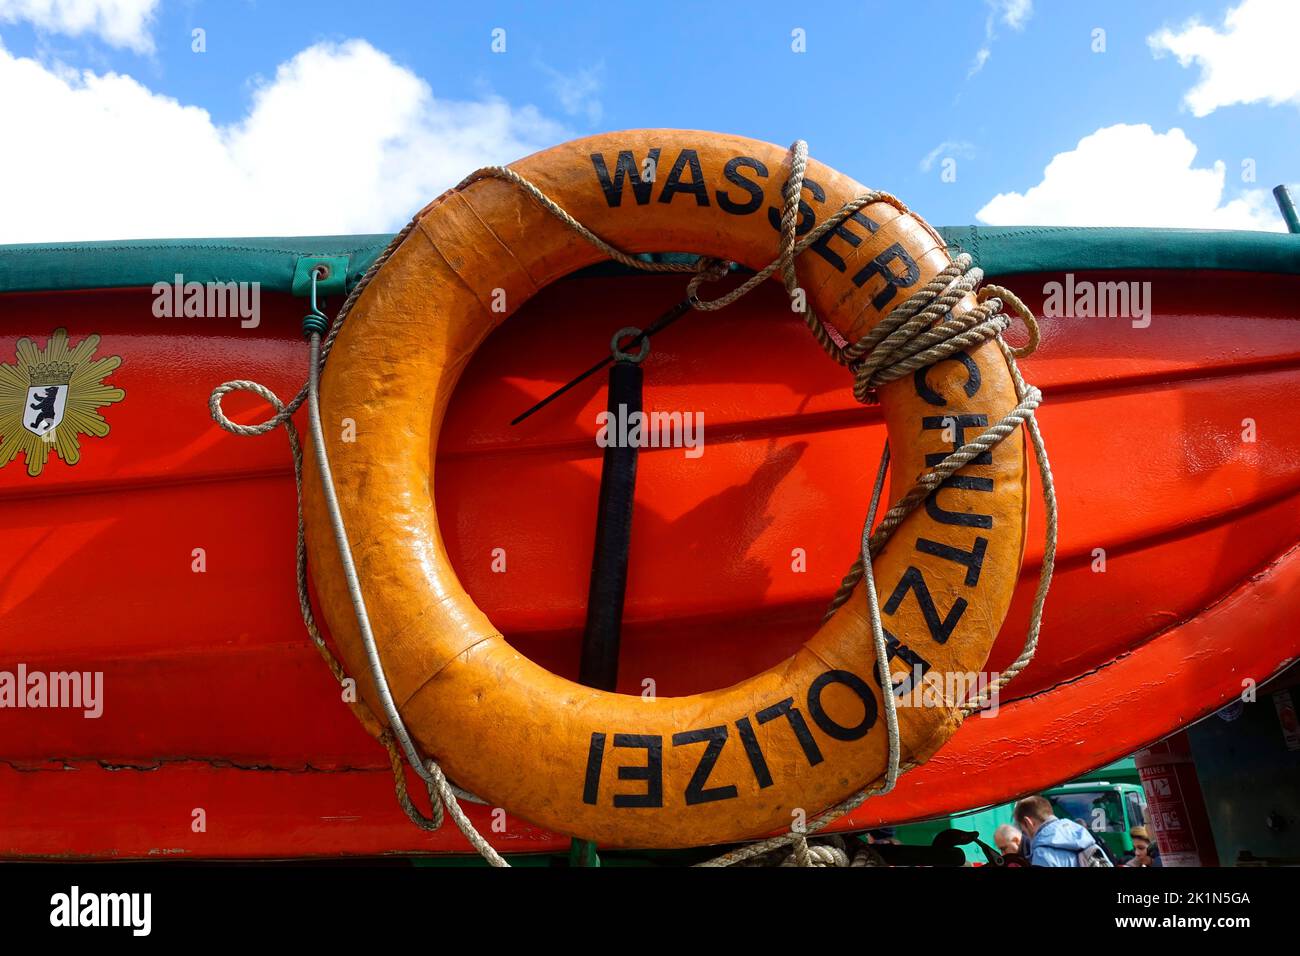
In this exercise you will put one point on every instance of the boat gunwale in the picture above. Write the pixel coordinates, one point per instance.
(272, 262)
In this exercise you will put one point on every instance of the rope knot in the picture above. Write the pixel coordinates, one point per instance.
(707, 269)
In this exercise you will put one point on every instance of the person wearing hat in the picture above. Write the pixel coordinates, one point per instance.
(1145, 850)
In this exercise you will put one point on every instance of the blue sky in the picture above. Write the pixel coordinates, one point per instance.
(409, 96)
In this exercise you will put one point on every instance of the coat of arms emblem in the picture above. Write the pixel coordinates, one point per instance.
(51, 397)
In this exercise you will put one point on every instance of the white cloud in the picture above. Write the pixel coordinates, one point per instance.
(104, 157)
(1012, 13)
(949, 147)
(577, 92)
(1132, 176)
(1251, 59)
(121, 23)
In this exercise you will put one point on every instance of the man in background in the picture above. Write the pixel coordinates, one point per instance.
(1055, 842)
(1011, 844)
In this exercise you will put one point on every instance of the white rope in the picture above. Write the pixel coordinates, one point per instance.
(820, 854)
(427, 769)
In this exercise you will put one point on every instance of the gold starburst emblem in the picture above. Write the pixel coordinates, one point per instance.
(52, 397)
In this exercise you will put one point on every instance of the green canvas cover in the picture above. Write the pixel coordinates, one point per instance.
(999, 250)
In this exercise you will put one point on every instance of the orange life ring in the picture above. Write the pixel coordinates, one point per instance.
(622, 770)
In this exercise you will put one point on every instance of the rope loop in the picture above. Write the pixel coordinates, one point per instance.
(1026, 315)
(283, 413)
(429, 823)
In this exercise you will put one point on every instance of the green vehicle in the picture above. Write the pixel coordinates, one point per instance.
(1109, 810)
(1108, 801)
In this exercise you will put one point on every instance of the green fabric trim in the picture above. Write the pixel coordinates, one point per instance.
(272, 262)
(1005, 250)
(133, 263)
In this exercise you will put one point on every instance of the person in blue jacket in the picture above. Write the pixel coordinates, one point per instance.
(1052, 841)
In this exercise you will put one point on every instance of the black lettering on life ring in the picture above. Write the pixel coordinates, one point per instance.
(963, 519)
(972, 560)
(823, 720)
(757, 762)
(595, 759)
(695, 791)
(914, 580)
(880, 266)
(625, 168)
(732, 174)
(807, 218)
(696, 187)
(914, 661)
(959, 424)
(790, 712)
(823, 245)
(926, 393)
(652, 773)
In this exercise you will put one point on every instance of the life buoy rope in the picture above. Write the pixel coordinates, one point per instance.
(910, 342)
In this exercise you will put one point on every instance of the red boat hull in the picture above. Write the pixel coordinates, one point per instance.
(214, 698)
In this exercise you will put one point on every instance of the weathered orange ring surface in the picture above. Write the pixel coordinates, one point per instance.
(623, 770)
